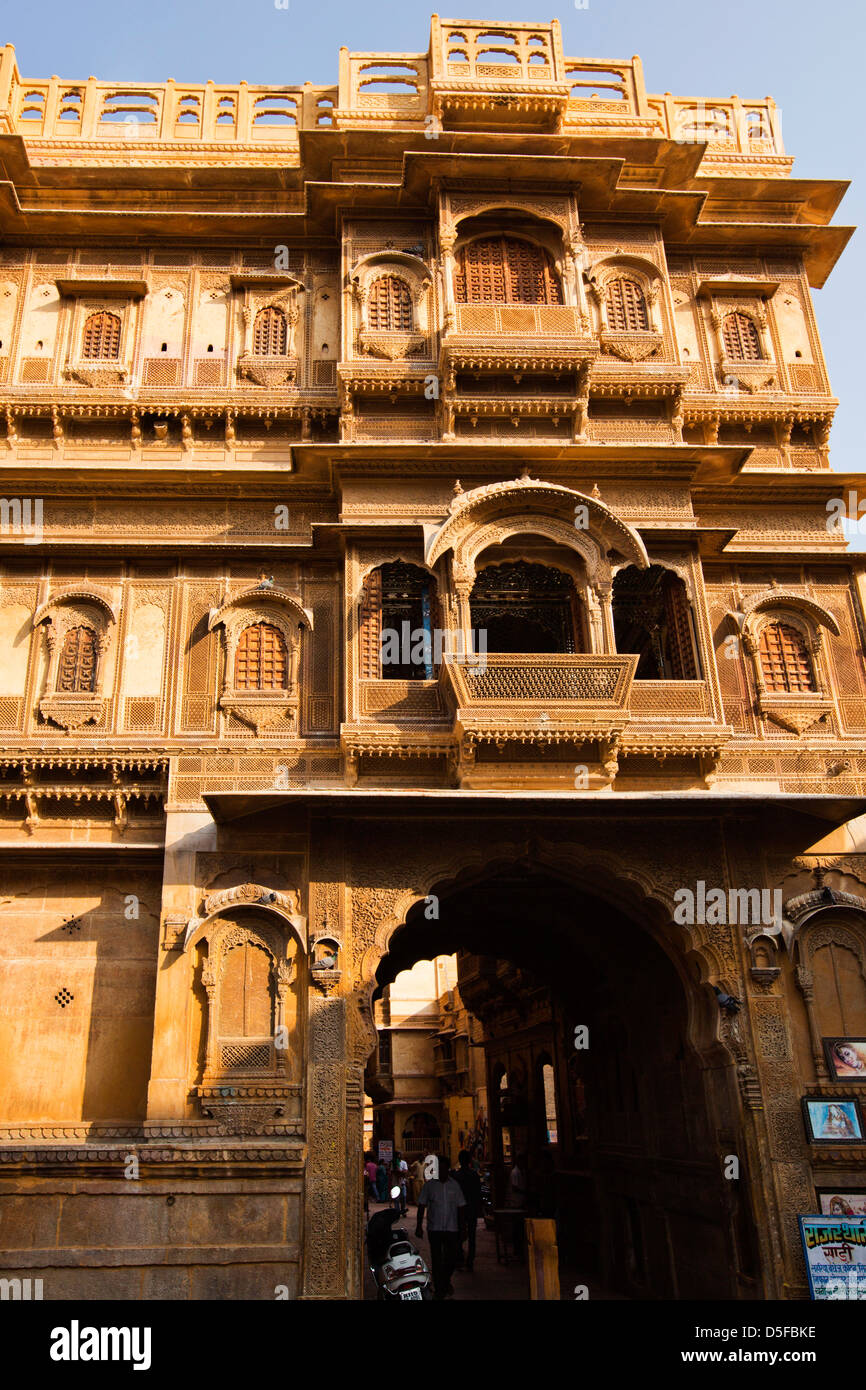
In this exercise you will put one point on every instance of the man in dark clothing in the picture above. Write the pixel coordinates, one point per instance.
(379, 1234)
(444, 1203)
(470, 1185)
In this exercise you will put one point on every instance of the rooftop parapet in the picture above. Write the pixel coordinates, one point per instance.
(475, 75)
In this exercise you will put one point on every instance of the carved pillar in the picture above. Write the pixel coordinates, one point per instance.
(327, 1078)
(447, 239)
(806, 981)
(605, 595)
(463, 582)
(594, 612)
(329, 1177)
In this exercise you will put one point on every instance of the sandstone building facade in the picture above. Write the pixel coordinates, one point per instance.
(414, 541)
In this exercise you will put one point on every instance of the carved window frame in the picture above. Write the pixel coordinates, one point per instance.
(553, 276)
(276, 369)
(95, 371)
(390, 344)
(646, 276)
(842, 924)
(370, 617)
(276, 608)
(630, 344)
(810, 631)
(792, 710)
(71, 608)
(734, 372)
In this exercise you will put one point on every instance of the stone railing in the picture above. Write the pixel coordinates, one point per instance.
(473, 62)
(209, 113)
(669, 699)
(518, 320)
(538, 685)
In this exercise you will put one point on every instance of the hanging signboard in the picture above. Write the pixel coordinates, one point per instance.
(386, 1150)
(835, 1250)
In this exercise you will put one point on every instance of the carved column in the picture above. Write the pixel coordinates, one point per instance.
(447, 240)
(463, 582)
(324, 1229)
(328, 1176)
(806, 981)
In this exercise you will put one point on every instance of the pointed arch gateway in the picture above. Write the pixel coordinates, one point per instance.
(645, 1096)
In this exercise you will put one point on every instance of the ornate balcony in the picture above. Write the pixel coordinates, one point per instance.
(538, 701)
(517, 338)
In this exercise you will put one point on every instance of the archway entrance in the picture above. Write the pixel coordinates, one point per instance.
(602, 1076)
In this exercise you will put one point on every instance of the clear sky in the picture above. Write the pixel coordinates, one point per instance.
(797, 52)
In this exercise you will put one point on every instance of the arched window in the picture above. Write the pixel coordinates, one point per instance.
(101, 336)
(651, 616)
(526, 608)
(389, 306)
(626, 307)
(548, 1099)
(246, 1008)
(270, 333)
(397, 621)
(260, 660)
(839, 986)
(785, 661)
(76, 672)
(505, 270)
(740, 337)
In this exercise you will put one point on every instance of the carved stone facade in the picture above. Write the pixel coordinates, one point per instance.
(566, 450)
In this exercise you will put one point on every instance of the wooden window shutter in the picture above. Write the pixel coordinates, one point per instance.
(370, 627)
(260, 659)
(626, 307)
(785, 663)
(681, 645)
(505, 270)
(101, 336)
(270, 333)
(740, 337)
(389, 307)
(77, 668)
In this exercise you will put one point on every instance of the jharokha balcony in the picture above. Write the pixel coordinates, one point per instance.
(500, 700)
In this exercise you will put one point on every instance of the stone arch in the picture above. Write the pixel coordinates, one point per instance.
(525, 504)
(648, 904)
(688, 1007)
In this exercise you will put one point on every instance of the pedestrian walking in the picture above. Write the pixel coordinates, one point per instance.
(401, 1178)
(444, 1203)
(417, 1172)
(370, 1180)
(381, 1182)
(469, 1183)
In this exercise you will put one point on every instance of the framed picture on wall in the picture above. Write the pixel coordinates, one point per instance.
(833, 1202)
(846, 1058)
(832, 1120)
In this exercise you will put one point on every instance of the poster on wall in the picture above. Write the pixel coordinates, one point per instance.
(835, 1120)
(386, 1150)
(835, 1203)
(846, 1058)
(835, 1250)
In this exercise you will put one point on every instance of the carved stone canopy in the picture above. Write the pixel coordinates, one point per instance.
(282, 904)
(485, 515)
(64, 609)
(774, 599)
(279, 603)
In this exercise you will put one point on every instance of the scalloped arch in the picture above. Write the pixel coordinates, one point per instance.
(75, 594)
(498, 503)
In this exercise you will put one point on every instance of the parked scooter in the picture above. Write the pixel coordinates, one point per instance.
(397, 1266)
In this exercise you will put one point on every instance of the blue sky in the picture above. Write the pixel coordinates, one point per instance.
(788, 49)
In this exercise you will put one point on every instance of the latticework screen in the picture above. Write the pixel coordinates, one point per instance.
(505, 270)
